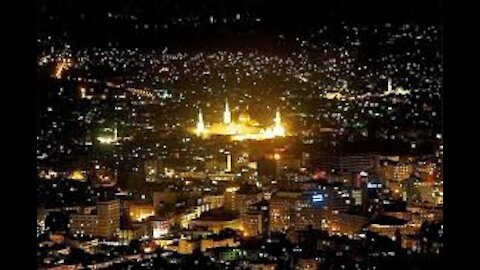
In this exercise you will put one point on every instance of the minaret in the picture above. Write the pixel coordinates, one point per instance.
(278, 129)
(200, 124)
(227, 117)
(115, 135)
(278, 119)
(229, 163)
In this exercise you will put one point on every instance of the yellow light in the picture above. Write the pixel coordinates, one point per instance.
(83, 92)
(276, 156)
(76, 175)
(105, 140)
(231, 189)
(169, 172)
(61, 66)
(243, 130)
(200, 130)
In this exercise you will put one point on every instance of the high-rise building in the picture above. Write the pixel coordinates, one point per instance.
(313, 208)
(252, 223)
(395, 171)
(214, 201)
(261, 208)
(100, 221)
(281, 211)
(357, 163)
(246, 196)
(351, 163)
(108, 218)
(85, 222)
(322, 162)
(356, 195)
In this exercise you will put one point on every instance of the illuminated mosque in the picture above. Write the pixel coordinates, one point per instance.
(244, 129)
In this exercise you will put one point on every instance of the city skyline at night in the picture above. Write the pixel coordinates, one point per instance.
(255, 135)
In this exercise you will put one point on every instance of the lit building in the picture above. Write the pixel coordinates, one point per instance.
(357, 163)
(140, 210)
(214, 201)
(134, 230)
(425, 212)
(102, 221)
(228, 254)
(230, 197)
(186, 246)
(77, 176)
(425, 169)
(109, 139)
(152, 170)
(262, 266)
(423, 192)
(336, 199)
(221, 176)
(160, 227)
(62, 65)
(165, 196)
(388, 226)
(260, 208)
(286, 162)
(217, 221)
(84, 223)
(307, 215)
(309, 239)
(411, 242)
(108, 217)
(349, 163)
(395, 172)
(307, 264)
(356, 195)
(91, 246)
(252, 224)
(243, 129)
(347, 224)
(313, 208)
(281, 211)
(41, 217)
(430, 193)
(216, 242)
(246, 196)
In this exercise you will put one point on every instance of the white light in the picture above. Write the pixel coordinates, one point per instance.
(317, 198)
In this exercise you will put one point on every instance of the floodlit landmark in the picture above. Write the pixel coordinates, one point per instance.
(244, 128)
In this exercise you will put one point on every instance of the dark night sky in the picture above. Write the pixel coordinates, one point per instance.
(281, 12)
(86, 21)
